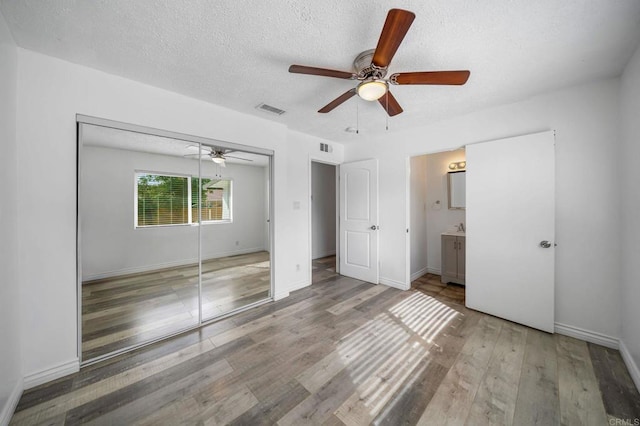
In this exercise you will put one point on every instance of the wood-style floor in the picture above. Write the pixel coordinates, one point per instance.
(347, 352)
(124, 311)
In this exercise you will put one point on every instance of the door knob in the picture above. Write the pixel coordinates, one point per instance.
(373, 227)
(545, 244)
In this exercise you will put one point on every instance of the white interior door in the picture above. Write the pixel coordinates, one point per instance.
(510, 229)
(359, 220)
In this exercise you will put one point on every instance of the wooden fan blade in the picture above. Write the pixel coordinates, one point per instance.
(390, 104)
(395, 28)
(337, 101)
(301, 69)
(431, 77)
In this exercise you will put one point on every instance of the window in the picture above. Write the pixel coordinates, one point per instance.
(164, 199)
(215, 199)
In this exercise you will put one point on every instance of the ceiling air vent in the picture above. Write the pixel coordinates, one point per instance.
(271, 109)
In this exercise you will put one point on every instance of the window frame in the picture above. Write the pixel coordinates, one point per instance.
(216, 221)
(191, 220)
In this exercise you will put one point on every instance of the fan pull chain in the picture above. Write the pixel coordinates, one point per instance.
(357, 118)
(387, 115)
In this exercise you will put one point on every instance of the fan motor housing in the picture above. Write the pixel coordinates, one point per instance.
(364, 67)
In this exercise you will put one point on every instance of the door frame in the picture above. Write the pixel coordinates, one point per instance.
(408, 207)
(336, 164)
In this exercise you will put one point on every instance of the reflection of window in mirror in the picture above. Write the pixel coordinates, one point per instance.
(456, 183)
(215, 200)
(162, 199)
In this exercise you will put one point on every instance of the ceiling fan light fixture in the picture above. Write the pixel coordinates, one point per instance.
(372, 90)
(218, 160)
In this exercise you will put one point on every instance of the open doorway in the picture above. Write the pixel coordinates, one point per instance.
(437, 225)
(324, 240)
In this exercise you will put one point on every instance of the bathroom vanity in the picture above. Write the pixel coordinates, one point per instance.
(453, 257)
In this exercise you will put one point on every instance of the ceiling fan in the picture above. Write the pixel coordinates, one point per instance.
(371, 68)
(217, 155)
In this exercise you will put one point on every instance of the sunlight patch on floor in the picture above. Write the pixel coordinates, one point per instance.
(424, 315)
(384, 352)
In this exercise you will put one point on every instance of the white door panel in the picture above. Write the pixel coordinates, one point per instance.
(510, 210)
(358, 220)
(357, 188)
(358, 253)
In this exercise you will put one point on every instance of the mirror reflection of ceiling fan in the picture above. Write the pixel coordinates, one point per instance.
(217, 155)
(371, 68)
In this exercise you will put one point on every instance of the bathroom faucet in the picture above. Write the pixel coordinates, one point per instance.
(461, 227)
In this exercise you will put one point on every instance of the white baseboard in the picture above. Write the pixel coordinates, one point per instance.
(292, 287)
(12, 402)
(53, 373)
(434, 271)
(212, 256)
(280, 295)
(297, 286)
(165, 265)
(419, 273)
(587, 336)
(634, 371)
(393, 283)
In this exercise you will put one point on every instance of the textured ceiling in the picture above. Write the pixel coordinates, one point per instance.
(236, 53)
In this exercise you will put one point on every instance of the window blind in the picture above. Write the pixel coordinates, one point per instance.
(162, 200)
(215, 200)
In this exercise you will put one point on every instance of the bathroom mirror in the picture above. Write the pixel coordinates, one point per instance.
(456, 184)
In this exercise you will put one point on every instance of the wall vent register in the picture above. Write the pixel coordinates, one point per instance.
(271, 109)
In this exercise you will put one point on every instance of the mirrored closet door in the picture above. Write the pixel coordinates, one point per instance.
(172, 232)
(236, 268)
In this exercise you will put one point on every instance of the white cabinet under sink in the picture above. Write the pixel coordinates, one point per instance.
(453, 257)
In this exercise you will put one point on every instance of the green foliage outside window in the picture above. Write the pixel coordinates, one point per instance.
(162, 200)
(173, 200)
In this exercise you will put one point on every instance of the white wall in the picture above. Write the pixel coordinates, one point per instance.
(629, 207)
(50, 93)
(418, 225)
(10, 353)
(440, 219)
(587, 210)
(111, 245)
(302, 149)
(323, 214)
